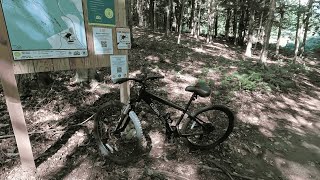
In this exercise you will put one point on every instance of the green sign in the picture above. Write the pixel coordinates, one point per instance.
(101, 12)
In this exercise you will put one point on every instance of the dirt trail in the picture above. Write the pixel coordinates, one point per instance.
(277, 134)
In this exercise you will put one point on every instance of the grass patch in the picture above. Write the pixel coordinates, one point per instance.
(257, 77)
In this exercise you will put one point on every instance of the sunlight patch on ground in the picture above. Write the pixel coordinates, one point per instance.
(152, 58)
(312, 147)
(58, 161)
(295, 171)
(157, 139)
(83, 171)
(185, 170)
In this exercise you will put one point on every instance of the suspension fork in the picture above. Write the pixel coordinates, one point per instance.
(123, 119)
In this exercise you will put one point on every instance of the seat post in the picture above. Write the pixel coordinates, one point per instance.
(193, 97)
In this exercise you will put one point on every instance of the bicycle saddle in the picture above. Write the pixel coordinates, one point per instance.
(200, 89)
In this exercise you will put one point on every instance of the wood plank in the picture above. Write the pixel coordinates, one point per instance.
(23, 67)
(61, 64)
(12, 97)
(77, 63)
(43, 65)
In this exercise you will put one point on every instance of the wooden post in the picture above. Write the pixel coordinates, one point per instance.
(122, 22)
(13, 99)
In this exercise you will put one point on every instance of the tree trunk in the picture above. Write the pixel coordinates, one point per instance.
(168, 13)
(139, 7)
(227, 27)
(209, 25)
(250, 33)
(280, 28)
(264, 51)
(193, 9)
(297, 40)
(216, 18)
(181, 20)
(151, 16)
(306, 26)
(241, 26)
(194, 22)
(260, 30)
(235, 25)
(197, 31)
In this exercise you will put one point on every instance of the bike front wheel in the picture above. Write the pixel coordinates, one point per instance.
(119, 136)
(218, 124)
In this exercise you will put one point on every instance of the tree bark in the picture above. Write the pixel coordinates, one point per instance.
(241, 26)
(216, 18)
(250, 32)
(209, 22)
(197, 31)
(297, 39)
(194, 22)
(168, 13)
(193, 9)
(235, 23)
(306, 26)
(260, 30)
(139, 7)
(227, 27)
(264, 51)
(181, 20)
(280, 28)
(151, 14)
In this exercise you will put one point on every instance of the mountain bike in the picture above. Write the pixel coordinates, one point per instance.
(119, 133)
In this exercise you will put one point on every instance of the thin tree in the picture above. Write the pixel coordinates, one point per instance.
(227, 27)
(197, 26)
(261, 29)
(168, 13)
(181, 20)
(298, 33)
(250, 32)
(264, 51)
(281, 12)
(306, 26)
(209, 25)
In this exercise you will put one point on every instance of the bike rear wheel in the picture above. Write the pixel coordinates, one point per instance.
(219, 124)
(123, 146)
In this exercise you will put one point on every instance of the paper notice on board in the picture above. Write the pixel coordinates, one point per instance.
(123, 38)
(102, 39)
(119, 66)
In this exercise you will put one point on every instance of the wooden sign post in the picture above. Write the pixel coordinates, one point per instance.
(13, 100)
(10, 67)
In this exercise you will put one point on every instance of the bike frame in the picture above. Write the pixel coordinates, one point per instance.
(149, 98)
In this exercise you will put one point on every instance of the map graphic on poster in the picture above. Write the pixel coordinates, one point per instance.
(45, 28)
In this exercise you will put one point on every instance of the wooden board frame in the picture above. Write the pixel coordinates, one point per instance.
(92, 61)
(9, 67)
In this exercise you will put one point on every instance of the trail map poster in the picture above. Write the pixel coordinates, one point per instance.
(101, 12)
(45, 28)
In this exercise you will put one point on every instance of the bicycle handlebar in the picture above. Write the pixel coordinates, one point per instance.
(143, 80)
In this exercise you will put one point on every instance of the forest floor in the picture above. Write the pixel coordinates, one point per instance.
(276, 134)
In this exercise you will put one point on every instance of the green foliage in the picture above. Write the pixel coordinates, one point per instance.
(264, 78)
(245, 81)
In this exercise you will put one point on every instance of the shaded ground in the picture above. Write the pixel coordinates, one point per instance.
(277, 133)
